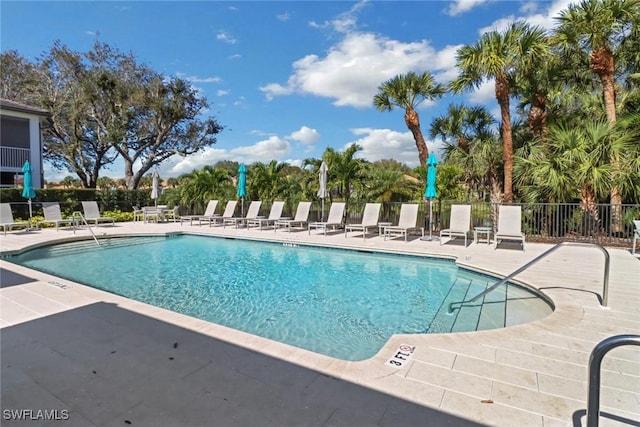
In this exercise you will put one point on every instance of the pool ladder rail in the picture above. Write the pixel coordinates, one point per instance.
(605, 291)
(77, 218)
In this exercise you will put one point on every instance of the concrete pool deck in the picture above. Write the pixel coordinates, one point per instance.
(111, 361)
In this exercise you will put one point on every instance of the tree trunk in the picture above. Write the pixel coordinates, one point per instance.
(412, 120)
(538, 116)
(603, 64)
(502, 96)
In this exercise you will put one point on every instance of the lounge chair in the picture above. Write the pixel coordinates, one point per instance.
(52, 215)
(408, 222)
(369, 220)
(252, 213)
(636, 235)
(229, 212)
(301, 219)
(459, 223)
(209, 212)
(6, 218)
(92, 213)
(334, 220)
(509, 225)
(275, 214)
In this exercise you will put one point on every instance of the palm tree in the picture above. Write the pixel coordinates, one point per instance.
(407, 92)
(574, 164)
(268, 179)
(498, 56)
(602, 29)
(458, 129)
(200, 186)
(386, 183)
(344, 170)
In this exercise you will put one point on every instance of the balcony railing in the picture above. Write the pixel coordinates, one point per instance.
(13, 158)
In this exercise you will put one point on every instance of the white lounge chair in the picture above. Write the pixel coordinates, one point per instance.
(209, 212)
(275, 214)
(252, 213)
(334, 220)
(6, 218)
(301, 219)
(52, 215)
(369, 220)
(509, 225)
(92, 213)
(636, 235)
(459, 223)
(407, 222)
(229, 212)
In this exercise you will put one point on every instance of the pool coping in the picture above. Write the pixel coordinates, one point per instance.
(445, 370)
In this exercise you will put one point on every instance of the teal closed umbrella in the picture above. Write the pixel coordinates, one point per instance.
(242, 184)
(28, 192)
(430, 192)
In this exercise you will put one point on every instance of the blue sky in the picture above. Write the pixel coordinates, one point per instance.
(287, 79)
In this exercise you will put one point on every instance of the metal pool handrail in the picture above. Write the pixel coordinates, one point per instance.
(605, 291)
(75, 216)
(595, 361)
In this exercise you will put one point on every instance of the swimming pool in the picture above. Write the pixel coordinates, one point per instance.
(342, 303)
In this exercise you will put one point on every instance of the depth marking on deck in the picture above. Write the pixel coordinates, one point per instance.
(401, 356)
(59, 285)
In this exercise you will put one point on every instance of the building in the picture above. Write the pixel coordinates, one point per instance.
(20, 140)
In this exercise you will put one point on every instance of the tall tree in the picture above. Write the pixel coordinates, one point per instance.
(344, 170)
(165, 123)
(73, 137)
(269, 179)
(407, 92)
(603, 30)
(497, 55)
(459, 128)
(105, 104)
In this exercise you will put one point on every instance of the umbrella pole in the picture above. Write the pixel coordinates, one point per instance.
(322, 211)
(430, 218)
(30, 215)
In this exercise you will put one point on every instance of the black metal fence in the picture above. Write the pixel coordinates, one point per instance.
(548, 222)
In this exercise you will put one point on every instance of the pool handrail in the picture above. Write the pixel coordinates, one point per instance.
(595, 362)
(605, 291)
(78, 215)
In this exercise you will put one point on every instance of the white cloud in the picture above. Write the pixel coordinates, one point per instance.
(222, 92)
(263, 151)
(226, 37)
(532, 15)
(379, 144)
(305, 135)
(485, 93)
(283, 16)
(196, 79)
(352, 70)
(462, 6)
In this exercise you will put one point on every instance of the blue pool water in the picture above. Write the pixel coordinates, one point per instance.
(341, 303)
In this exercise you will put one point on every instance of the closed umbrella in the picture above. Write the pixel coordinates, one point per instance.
(242, 185)
(28, 192)
(430, 192)
(155, 187)
(322, 192)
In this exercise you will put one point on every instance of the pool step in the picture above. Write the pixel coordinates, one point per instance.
(85, 245)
